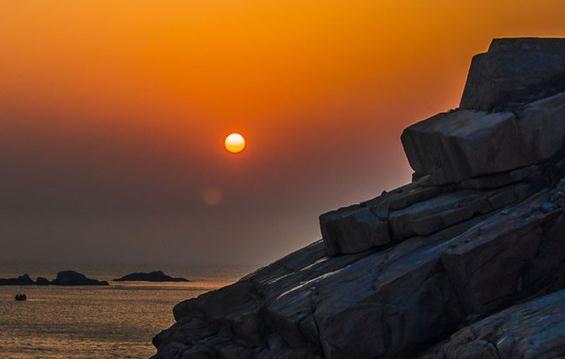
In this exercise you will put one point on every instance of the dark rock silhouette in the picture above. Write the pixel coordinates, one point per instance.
(466, 261)
(155, 276)
(514, 72)
(21, 280)
(72, 278)
(20, 297)
(42, 281)
(63, 278)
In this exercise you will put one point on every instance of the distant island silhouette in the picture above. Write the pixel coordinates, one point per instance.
(155, 276)
(64, 278)
(73, 278)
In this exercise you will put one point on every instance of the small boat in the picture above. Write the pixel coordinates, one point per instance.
(21, 297)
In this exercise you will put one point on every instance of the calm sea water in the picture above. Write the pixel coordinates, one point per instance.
(117, 321)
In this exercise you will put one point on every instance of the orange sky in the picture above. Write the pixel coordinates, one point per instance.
(115, 108)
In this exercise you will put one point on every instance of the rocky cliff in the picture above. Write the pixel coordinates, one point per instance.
(467, 261)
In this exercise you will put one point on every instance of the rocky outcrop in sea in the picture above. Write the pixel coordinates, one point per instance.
(466, 261)
(155, 276)
(24, 279)
(64, 278)
(72, 278)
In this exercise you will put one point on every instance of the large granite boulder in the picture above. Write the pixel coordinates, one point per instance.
(512, 115)
(515, 71)
(462, 144)
(42, 281)
(480, 229)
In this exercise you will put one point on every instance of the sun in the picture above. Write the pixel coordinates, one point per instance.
(234, 143)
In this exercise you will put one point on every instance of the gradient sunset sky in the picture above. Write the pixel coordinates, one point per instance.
(113, 116)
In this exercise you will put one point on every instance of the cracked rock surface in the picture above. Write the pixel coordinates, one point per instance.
(531, 330)
(467, 261)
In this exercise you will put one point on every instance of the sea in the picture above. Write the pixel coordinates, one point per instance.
(115, 321)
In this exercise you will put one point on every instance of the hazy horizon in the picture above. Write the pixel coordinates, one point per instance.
(113, 118)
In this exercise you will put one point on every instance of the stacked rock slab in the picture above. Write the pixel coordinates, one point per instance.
(436, 268)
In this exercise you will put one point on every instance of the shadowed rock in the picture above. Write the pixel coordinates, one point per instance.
(542, 127)
(531, 330)
(515, 71)
(509, 256)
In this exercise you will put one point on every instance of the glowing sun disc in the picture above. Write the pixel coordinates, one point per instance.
(234, 143)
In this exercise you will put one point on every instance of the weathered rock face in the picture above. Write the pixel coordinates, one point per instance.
(531, 330)
(480, 229)
(511, 255)
(352, 230)
(462, 144)
(542, 127)
(515, 71)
